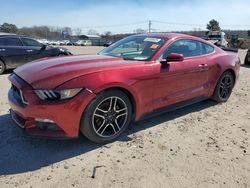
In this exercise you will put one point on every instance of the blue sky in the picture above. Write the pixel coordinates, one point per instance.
(127, 15)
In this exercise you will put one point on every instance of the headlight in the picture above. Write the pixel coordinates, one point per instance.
(52, 95)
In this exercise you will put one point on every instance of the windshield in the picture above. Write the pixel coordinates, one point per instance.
(139, 48)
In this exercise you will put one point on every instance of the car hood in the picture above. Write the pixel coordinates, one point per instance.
(59, 48)
(52, 72)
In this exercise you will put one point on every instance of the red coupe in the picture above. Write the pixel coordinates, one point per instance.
(100, 95)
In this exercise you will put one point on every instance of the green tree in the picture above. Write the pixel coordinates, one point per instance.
(213, 25)
(8, 28)
(92, 32)
(248, 33)
(107, 33)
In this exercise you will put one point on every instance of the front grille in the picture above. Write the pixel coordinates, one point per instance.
(18, 119)
(17, 93)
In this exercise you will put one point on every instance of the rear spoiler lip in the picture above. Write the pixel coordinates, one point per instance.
(230, 49)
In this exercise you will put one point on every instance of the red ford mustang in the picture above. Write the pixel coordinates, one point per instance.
(99, 95)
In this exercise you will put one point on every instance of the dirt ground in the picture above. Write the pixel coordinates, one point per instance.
(203, 145)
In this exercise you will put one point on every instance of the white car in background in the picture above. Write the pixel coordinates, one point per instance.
(84, 43)
(63, 42)
(69, 43)
(56, 42)
(42, 41)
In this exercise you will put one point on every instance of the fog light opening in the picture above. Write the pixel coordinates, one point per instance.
(46, 124)
(44, 120)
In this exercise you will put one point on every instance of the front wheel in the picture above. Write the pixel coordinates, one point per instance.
(2, 67)
(107, 116)
(224, 87)
(61, 55)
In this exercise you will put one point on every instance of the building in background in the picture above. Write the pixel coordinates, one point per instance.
(95, 39)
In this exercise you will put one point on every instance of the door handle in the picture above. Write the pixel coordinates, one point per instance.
(203, 67)
(2, 50)
(29, 50)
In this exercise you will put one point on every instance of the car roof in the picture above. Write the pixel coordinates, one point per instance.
(11, 34)
(173, 36)
(6, 34)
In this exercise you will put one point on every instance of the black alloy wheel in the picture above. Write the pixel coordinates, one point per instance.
(107, 116)
(2, 67)
(224, 87)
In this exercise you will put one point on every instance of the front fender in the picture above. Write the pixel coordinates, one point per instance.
(100, 81)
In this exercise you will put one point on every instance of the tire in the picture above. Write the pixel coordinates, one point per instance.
(62, 54)
(224, 87)
(246, 62)
(2, 67)
(102, 122)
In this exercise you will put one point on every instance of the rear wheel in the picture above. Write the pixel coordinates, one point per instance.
(107, 116)
(2, 67)
(224, 87)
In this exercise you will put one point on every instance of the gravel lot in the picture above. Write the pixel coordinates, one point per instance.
(204, 145)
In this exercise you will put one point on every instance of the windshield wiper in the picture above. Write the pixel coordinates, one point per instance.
(125, 58)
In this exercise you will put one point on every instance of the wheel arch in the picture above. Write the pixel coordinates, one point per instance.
(213, 85)
(128, 94)
(215, 96)
(63, 54)
(1, 59)
(5, 66)
(231, 71)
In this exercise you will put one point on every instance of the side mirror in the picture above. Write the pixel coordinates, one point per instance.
(173, 57)
(43, 46)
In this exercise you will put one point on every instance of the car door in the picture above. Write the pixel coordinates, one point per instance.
(183, 80)
(12, 51)
(33, 49)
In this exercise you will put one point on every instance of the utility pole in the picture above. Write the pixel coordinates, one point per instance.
(149, 26)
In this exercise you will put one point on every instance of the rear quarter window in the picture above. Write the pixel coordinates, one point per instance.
(207, 49)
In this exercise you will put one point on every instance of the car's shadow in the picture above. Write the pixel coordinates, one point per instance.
(8, 71)
(20, 153)
(244, 65)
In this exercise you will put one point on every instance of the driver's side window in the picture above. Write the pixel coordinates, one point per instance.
(187, 47)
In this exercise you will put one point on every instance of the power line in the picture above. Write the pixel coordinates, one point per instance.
(195, 24)
(149, 24)
(235, 25)
(115, 25)
(175, 23)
